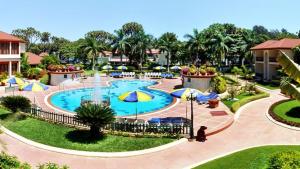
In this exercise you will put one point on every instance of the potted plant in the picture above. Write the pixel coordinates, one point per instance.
(203, 72)
(185, 71)
(213, 103)
(211, 70)
(71, 68)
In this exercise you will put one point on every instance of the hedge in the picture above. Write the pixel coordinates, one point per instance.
(280, 119)
(236, 105)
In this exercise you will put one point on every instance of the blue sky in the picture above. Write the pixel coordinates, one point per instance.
(73, 18)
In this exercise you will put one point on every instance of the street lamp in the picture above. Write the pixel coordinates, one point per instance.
(191, 96)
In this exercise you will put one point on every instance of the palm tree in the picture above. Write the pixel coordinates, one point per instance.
(166, 43)
(292, 69)
(196, 44)
(120, 44)
(219, 47)
(96, 116)
(92, 47)
(143, 43)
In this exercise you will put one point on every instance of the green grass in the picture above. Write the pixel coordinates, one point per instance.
(242, 95)
(268, 85)
(70, 138)
(248, 159)
(289, 111)
(244, 98)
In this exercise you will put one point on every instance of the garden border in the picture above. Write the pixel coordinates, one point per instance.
(91, 153)
(280, 121)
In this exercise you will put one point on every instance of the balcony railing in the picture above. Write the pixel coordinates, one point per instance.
(273, 59)
(260, 59)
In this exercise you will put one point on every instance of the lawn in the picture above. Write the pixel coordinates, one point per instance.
(247, 159)
(242, 95)
(70, 138)
(268, 85)
(289, 111)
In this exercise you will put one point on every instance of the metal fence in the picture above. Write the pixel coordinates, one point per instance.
(115, 126)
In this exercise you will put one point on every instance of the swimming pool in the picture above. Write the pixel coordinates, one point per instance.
(69, 100)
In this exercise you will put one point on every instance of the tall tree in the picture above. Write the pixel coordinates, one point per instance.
(92, 47)
(30, 35)
(166, 43)
(196, 45)
(120, 44)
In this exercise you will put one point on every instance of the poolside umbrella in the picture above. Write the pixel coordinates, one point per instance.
(122, 67)
(175, 68)
(15, 80)
(136, 96)
(181, 93)
(159, 68)
(35, 87)
(107, 67)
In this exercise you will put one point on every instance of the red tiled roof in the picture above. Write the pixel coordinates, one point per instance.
(43, 54)
(33, 59)
(278, 44)
(9, 38)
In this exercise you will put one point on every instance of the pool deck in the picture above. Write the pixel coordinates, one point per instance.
(202, 113)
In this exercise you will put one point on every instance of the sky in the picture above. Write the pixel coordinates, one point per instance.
(71, 19)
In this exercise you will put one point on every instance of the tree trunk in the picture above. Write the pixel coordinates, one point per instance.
(93, 68)
(121, 59)
(95, 131)
(168, 61)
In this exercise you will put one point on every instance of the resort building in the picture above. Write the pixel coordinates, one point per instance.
(11, 48)
(33, 59)
(115, 59)
(265, 57)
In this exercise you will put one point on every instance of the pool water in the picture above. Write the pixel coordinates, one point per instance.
(69, 100)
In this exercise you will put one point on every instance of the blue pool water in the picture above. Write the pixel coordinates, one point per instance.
(70, 100)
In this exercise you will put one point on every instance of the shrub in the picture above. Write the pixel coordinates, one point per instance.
(51, 166)
(11, 162)
(236, 105)
(34, 73)
(45, 79)
(285, 160)
(94, 115)
(219, 84)
(130, 68)
(7, 162)
(233, 91)
(50, 59)
(3, 76)
(18, 74)
(15, 103)
(237, 71)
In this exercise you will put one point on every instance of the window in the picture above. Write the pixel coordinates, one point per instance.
(65, 76)
(189, 79)
(15, 48)
(3, 67)
(4, 48)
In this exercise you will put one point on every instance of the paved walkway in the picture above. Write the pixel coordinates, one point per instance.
(251, 129)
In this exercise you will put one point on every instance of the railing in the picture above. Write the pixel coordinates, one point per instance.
(260, 59)
(115, 126)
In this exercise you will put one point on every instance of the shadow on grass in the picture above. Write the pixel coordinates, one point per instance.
(83, 136)
(294, 112)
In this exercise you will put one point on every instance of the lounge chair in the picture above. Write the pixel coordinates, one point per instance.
(205, 98)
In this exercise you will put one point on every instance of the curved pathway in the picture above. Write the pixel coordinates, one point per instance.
(252, 128)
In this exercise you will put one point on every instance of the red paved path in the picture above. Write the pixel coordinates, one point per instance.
(251, 129)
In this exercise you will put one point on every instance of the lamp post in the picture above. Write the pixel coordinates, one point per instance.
(191, 96)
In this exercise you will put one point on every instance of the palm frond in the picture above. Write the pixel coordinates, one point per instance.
(290, 90)
(289, 67)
